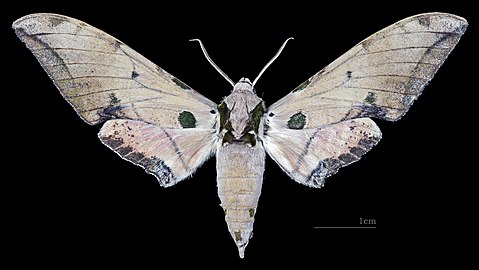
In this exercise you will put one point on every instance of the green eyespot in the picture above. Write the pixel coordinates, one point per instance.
(297, 121)
(187, 119)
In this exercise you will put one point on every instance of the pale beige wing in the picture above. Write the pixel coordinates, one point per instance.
(102, 78)
(171, 155)
(380, 77)
(321, 125)
(309, 156)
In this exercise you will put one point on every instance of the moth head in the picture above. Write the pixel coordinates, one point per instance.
(244, 85)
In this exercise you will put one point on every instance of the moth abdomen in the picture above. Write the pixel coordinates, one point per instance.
(240, 170)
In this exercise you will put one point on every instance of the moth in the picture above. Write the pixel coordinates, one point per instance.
(159, 123)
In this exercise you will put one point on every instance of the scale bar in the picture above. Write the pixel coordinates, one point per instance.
(363, 227)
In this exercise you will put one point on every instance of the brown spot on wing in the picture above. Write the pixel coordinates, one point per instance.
(425, 21)
(135, 157)
(324, 169)
(123, 151)
(357, 151)
(56, 21)
(347, 158)
(111, 141)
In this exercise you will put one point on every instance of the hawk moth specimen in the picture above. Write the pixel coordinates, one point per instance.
(156, 121)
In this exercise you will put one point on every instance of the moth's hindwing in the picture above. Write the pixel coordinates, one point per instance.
(102, 78)
(169, 154)
(310, 155)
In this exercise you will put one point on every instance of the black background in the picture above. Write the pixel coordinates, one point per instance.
(74, 202)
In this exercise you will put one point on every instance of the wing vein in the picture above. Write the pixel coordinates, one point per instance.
(106, 91)
(399, 62)
(93, 76)
(391, 75)
(87, 63)
(421, 32)
(403, 48)
(355, 103)
(120, 104)
(77, 49)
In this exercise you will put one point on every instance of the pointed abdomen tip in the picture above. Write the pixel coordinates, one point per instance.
(241, 251)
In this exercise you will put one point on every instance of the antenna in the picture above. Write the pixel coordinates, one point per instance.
(213, 63)
(271, 61)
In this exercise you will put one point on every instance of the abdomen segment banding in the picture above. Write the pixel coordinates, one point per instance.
(240, 176)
